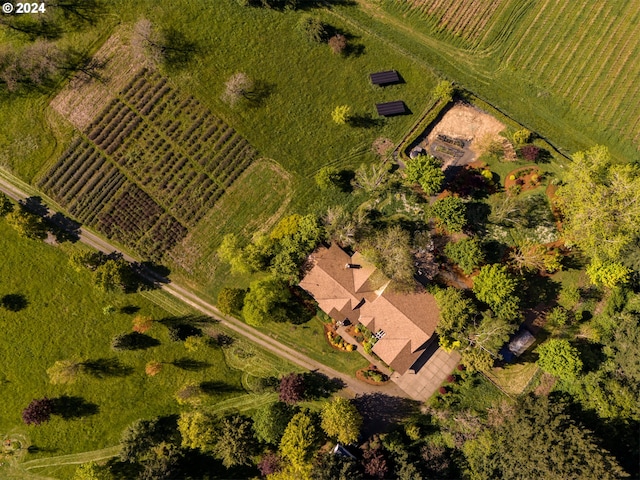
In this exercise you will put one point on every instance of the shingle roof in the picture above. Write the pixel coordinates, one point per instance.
(408, 320)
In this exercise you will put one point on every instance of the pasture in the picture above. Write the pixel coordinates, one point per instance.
(61, 316)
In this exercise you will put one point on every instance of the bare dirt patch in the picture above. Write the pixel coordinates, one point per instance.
(468, 123)
(84, 97)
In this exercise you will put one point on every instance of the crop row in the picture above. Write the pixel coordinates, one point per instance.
(166, 233)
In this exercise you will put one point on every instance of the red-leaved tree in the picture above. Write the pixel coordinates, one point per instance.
(291, 388)
(38, 411)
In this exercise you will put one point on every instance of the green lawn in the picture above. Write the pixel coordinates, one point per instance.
(63, 318)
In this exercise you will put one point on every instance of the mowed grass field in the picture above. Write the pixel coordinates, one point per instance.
(568, 70)
(63, 318)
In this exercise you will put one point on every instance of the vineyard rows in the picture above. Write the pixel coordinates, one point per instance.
(462, 18)
(153, 163)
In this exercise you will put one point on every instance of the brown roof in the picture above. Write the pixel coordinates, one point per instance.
(408, 319)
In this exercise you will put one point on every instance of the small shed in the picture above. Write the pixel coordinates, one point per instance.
(385, 78)
(391, 108)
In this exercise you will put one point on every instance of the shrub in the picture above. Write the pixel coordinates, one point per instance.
(153, 368)
(338, 43)
(442, 390)
(313, 28)
(38, 411)
(190, 393)
(522, 136)
(142, 323)
(327, 177)
(231, 300)
(340, 114)
(451, 379)
(530, 152)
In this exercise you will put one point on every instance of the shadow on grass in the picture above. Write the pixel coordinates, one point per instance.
(190, 364)
(381, 412)
(133, 341)
(129, 309)
(14, 302)
(213, 387)
(318, 385)
(107, 367)
(73, 407)
(365, 120)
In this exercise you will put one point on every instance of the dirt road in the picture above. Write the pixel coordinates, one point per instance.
(14, 188)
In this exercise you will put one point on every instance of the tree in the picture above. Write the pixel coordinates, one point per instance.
(341, 420)
(92, 471)
(236, 443)
(231, 300)
(522, 136)
(343, 227)
(115, 275)
(327, 177)
(390, 251)
(299, 440)
(559, 358)
(329, 466)
(375, 463)
(139, 438)
(27, 224)
(444, 91)
(467, 254)
(450, 212)
(340, 114)
(372, 178)
(38, 411)
(291, 389)
(338, 43)
(269, 463)
(599, 202)
(496, 287)
(198, 430)
(163, 461)
(237, 87)
(230, 251)
(534, 257)
(609, 274)
(539, 440)
(314, 29)
(266, 302)
(529, 152)
(426, 171)
(142, 323)
(456, 314)
(35, 65)
(270, 421)
(64, 371)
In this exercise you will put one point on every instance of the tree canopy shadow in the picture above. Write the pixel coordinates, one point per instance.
(69, 407)
(129, 309)
(177, 49)
(190, 364)
(365, 120)
(318, 385)
(259, 93)
(213, 387)
(64, 228)
(106, 367)
(34, 205)
(539, 289)
(381, 412)
(133, 341)
(14, 302)
(193, 320)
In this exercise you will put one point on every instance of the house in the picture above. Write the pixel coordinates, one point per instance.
(344, 287)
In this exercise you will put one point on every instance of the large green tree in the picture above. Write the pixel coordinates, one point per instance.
(467, 253)
(496, 287)
(299, 440)
(558, 357)
(266, 301)
(450, 213)
(426, 171)
(270, 421)
(236, 443)
(538, 440)
(599, 201)
(198, 430)
(341, 420)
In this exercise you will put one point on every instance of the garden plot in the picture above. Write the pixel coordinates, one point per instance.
(456, 139)
(150, 164)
